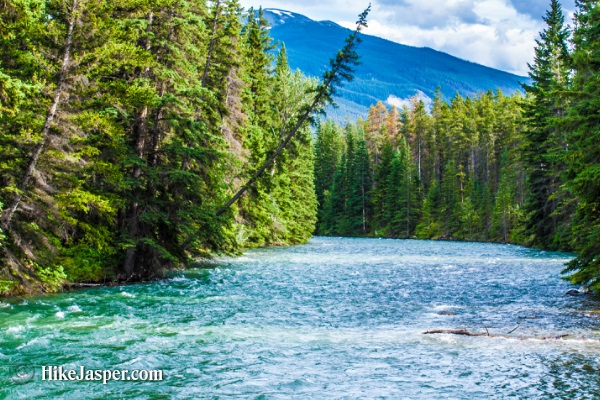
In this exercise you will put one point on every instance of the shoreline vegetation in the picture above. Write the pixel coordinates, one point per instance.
(136, 139)
(126, 130)
(494, 168)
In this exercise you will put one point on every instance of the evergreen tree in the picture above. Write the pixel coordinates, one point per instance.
(450, 197)
(257, 209)
(294, 190)
(584, 148)
(376, 130)
(381, 192)
(402, 199)
(507, 212)
(46, 205)
(328, 149)
(429, 226)
(359, 207)
(334, 210)
(545, 141)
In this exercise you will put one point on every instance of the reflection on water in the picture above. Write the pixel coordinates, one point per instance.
(337, 318)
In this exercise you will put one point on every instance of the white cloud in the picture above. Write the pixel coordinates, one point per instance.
(400, 103)
(489, 32)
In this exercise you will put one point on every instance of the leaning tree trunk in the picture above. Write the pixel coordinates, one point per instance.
(39, 149)
(341, 68)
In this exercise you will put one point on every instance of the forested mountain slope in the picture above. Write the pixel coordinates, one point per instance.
(389, 71)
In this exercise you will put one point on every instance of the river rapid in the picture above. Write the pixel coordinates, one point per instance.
(337, 318)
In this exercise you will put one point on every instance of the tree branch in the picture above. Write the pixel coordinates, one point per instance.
(341, 67)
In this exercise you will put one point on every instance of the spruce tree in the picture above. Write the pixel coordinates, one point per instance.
(359, 207)
(328, 147)
(583, 121)
(381, 191)
(402, 199)
(545, 143)
(293, 187)
(46, 202)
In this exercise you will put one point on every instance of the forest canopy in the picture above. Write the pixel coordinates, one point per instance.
(518, 169)
(125, 126)
(136, 137)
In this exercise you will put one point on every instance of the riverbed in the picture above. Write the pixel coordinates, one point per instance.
(337, 318)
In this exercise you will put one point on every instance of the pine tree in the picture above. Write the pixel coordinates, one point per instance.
(359, 207)
(402, 199)
(416, 129)
(392, 123)
(294, 190)
(545, 140)
(430, 226)
(174, 153)
(334, 210)
(258, 210)
(584, 148)
(328, 149)
(376, 130)
(46, 205)
(450, 195)
(381, 191)
(507, 211)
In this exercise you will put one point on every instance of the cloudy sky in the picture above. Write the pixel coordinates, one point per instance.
(496, 33)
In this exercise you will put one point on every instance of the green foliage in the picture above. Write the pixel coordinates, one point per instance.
(430, 226)
(7, 287)
(438, 176)
(492, 167)
(583, 124)
(53, 278)
(125, 127)
(328, 148)
(280, 207)
(545, 144)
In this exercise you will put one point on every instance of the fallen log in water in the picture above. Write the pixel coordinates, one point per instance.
(85, 285)
(464, 332)
(455, 332)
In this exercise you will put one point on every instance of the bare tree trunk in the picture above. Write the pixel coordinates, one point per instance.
(464, 332)
(37, 152)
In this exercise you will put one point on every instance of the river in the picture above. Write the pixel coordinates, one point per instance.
(333, 319)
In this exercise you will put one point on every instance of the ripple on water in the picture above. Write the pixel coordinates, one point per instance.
(337, 318)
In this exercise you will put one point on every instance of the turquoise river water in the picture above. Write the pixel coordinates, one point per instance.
(333, 319)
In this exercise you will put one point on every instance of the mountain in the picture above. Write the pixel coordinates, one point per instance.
(389, 71)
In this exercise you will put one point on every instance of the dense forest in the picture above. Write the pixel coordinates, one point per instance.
(139, 136)
(517, 169)
(451, 174)
(126, 126)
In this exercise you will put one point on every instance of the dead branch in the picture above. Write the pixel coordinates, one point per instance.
(464, 332)
(516, 327)
(454, 332)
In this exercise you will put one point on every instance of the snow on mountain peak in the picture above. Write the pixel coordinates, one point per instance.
(280, 13)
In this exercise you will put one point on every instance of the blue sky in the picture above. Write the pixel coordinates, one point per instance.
(496, 33)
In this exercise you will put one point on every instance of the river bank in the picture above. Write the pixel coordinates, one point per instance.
(120, 280)
(335, 317)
